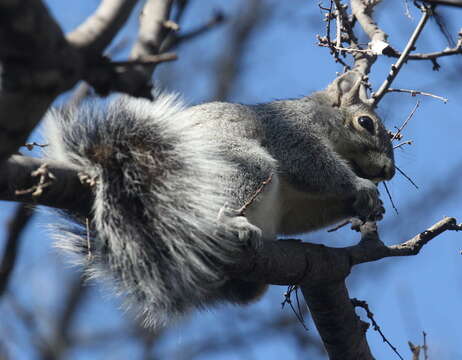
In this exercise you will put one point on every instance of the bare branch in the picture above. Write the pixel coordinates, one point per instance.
(362, 10)
(457, 3)
(230, 62)
(320, 270)
(437, 54)
(173, 40)
(362, 59)
(35, 66)
(370, 248)
(418, 92)
(152, 32)
(345, 339)
(33, 71)
(16, 226)
(400, 145)
(376, 327)
(147, 60)
(395, 68)
(407, 177)
(152, 28)
(409, 117)
(97, 32)
(67, 191)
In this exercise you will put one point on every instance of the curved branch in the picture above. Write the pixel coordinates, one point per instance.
(371, 248)
(98, 30)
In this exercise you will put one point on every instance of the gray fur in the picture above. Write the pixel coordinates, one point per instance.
(156, 203)
(164, 173)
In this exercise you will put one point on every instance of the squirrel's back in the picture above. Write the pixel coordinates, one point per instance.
(156, 204)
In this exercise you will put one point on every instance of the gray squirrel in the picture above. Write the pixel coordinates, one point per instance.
(168, 179)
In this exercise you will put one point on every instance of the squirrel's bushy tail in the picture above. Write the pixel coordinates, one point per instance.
(154, 221)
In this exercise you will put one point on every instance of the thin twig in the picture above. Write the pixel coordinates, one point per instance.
(324, 43)
(146, 60)
(413, 246)
(174, 39)
(400, 145)
(30, 146)
(407, 177)
(415, 349)
(241, 211)
(370, 315)
(339, 226)
(417, 92)
(425, 346)
(46, 178)
(407, 11)
(437, 54)
(394, 136)
(389, 196)
(288, 300)
(409, 117)
(395, 68)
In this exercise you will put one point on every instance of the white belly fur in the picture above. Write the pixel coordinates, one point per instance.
(282, 209)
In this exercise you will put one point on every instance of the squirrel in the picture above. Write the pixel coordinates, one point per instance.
(168, 180)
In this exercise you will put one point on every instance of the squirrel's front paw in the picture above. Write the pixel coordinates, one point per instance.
(368, 205)
(249, 234)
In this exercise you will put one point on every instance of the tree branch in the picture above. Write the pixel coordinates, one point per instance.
(341, 330)
(35, 68)
(98, 31)
(395, 68)
(65, 192)
(16, 226)
(362, 10)
(320, 270)
(152, 32)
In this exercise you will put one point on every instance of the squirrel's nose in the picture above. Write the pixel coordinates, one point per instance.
(388, 171)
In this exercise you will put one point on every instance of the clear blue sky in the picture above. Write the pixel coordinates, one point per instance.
(406, 295)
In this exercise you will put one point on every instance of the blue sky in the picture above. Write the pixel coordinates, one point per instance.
(407, 295)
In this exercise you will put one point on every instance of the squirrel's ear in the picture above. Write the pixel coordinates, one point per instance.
(345, 90)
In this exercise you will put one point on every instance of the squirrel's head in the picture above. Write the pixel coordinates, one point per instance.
(361, 139)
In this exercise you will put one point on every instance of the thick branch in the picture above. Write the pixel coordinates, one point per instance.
(320, 270)
(65, 192)
(34, 57)
(16, 227)
(341, 330)
(153, 28)
(231, 60)
(97, 32)
(152, 32)
(35, 66)
(362, 10)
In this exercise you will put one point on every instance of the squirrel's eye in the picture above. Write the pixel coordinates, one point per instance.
(367, 123)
